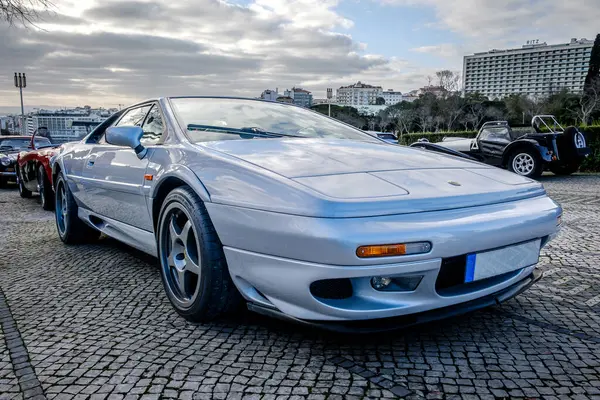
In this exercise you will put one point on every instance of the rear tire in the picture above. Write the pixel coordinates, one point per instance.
(23, 191)
(45, 189)
(525, 162)
(193, 266)
(71, 229)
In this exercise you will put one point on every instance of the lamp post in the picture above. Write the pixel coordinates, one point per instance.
(329, 96)
(21, 82)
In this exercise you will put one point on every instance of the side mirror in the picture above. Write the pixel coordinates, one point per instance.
(128, 136)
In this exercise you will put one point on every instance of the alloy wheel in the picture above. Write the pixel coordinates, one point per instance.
(180, 255)
(523, 164)
(61, 208)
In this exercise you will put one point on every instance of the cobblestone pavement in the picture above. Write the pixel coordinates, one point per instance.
(92, 322)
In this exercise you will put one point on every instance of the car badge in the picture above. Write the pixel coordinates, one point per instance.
(454, 183)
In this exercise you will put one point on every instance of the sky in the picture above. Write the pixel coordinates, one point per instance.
(111, 52)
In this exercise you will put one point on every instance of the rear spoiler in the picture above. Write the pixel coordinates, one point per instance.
(441, 149)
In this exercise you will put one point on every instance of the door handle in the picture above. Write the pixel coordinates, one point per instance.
(90, 163)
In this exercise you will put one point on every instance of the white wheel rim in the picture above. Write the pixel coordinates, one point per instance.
(523, 164)
(579, 141)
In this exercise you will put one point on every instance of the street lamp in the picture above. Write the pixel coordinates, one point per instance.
(21, 82)
(329, 96)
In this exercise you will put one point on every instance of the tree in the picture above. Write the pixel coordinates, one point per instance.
(474, 111)
(400, 116)
(594, 69)
(379, 101)
(589, 101)
(25, 12)
(448, 80)
(450, 107)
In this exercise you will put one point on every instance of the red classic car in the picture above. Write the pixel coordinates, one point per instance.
(34, 173)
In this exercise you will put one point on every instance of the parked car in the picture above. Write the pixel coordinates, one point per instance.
(385, 136)
(33, 169)
(10, 146)
(549, 147)
(306, 217)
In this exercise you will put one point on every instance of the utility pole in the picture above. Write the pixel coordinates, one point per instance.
(329, 96)
(21, 82)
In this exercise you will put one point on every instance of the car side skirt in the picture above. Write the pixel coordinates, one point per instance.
(132, 236)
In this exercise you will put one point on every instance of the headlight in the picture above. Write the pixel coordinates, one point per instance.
(5, 161)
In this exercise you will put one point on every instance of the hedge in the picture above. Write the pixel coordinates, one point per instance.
(592, 134)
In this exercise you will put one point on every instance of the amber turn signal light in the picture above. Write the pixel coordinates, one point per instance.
(390, 250)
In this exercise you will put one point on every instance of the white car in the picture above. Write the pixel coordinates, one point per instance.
(305, 217)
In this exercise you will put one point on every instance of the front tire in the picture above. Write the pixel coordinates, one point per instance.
(193, 266)
(45, 189)
(23, 191)
(71, 229)
(526, 163)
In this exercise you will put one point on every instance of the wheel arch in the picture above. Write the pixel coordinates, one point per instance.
(56, 168)
(525, 144)
(178, 177)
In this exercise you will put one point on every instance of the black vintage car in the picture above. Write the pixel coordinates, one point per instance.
(10, 146)
(548, 147)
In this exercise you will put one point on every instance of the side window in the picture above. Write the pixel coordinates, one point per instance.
(152, 127)
(134, 117)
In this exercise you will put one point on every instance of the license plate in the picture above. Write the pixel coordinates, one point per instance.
(10, 170)
(500, 261)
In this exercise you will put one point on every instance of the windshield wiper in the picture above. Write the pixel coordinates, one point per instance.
(252, 131)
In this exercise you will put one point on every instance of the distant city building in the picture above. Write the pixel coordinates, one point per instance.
(391, 97)
(359, 94)
(9, 124)
(67, 125)
(270, 95)
(285, 99)
(300, 96)
(535, 69)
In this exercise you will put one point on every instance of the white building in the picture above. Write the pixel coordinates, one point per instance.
(535, 69)
(67, 125)
(302, 98)
(391, 97)
(359, 94)
(270, 95)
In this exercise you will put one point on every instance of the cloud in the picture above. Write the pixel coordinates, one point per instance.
(113, 52)
(447, 50)
(510, 22)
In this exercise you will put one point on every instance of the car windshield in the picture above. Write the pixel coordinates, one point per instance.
(210, 119)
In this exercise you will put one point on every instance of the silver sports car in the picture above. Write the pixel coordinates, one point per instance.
(304, 216)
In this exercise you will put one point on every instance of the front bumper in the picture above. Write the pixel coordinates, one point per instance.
(8, 174)
(274, 258)
(393, 323)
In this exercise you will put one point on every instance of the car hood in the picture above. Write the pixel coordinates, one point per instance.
(295, 158)
(355, 178)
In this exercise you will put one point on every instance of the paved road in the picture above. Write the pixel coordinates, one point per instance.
(93, 322)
